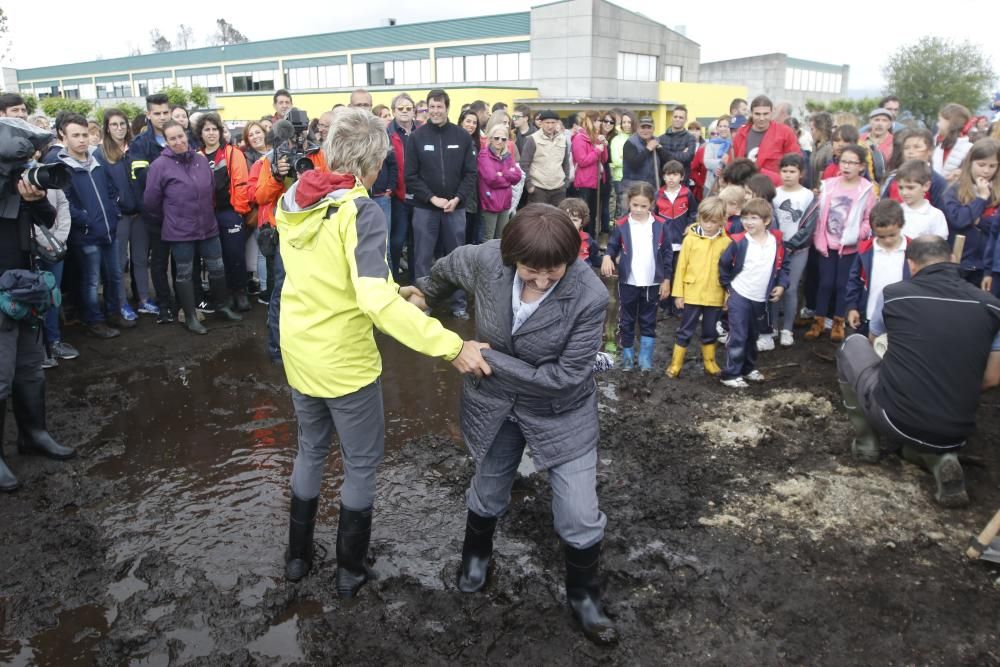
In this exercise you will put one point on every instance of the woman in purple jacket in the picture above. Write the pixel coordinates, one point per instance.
(180, 192)
(498, 173)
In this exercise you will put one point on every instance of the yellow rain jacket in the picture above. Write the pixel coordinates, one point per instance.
(337, 286)
(696, 277)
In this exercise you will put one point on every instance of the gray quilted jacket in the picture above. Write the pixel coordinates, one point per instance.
(542, 375)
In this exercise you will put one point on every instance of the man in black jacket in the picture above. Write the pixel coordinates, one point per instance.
(678, 143)
(943, 350)
(441, 171)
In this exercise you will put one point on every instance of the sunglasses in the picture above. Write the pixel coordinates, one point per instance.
(608, 121)
(422, 110)
(517, 116)
(404, 109)
(499, 138)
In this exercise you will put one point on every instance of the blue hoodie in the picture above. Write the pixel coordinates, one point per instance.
(93, 200)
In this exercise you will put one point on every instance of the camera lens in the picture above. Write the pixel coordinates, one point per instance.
(302, 165)
(49, 176)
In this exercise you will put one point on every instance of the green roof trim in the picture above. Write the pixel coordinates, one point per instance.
(252, 67)
(196, 71)
(77, 82)
(482, 49)
(45, 84)
(142, 76)
(111, 79)
(814, 65)
(450, 30)
(315, 62)
(387, 56)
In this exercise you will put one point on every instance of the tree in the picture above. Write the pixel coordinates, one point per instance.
(4, 42)
(176, 95)
(933, 72)
(227, 34)
(185, 36)
(31, 102)
(199, 97)
(160, 43)
(53, 105)
(130, 110)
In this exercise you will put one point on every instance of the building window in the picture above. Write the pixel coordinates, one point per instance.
(252, 81)
(210, 82)
(672, 73)
(322, 76)
(151, 86)
(71, 92)
(489, 67)
(122, 88)
(636, 67)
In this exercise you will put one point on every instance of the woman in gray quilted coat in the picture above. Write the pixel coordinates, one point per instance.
(542, 313)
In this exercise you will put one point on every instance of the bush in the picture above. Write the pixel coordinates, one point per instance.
(199, 97)
(31, 102)
(177, 95)
(131, 110)
(53, 105)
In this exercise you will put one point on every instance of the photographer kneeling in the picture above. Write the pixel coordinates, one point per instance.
(22, 205)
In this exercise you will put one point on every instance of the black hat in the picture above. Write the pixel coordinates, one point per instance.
(548, 114)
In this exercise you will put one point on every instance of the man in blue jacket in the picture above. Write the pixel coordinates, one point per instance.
(144, 149)
(93, 205)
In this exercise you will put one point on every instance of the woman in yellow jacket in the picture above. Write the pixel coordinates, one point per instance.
(696, 287)
(337, 288)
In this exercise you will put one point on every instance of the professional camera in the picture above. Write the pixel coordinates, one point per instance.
(18, 143)
(290, 142)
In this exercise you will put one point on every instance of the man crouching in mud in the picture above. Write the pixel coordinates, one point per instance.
(337, 286)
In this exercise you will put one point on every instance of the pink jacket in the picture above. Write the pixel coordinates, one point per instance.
(496, 176)
(857, 226)
(588, 159)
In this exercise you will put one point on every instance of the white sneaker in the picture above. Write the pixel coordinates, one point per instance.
(765, 343)
(736, 383)
(719, 329)
(787, 339)
(754, 376)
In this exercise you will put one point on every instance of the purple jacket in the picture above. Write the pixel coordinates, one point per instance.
(496, 176)
(180, 193)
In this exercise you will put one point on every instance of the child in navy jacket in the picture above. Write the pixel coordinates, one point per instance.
(579, 214)
(753, 271)
(640, 246)
(971, 209)
(863, 285)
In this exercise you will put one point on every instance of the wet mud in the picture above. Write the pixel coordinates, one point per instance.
(740, 531)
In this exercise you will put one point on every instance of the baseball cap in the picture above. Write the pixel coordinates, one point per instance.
(645, 120)
(549, 114)
(880, 112)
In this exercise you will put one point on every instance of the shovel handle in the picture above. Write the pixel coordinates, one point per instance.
(958, 247)
(976, 547)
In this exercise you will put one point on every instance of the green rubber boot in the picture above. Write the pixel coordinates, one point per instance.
(864, 447)
(948, 476)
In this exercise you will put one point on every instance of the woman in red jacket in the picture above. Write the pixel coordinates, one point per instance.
(590, 152)
(229, 167)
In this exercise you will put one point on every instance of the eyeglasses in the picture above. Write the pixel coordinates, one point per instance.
(499, 138)
(517, 116)
(117, 125)
(850, 163)
(404, 109)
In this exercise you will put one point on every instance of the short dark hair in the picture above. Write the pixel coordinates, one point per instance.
(523, 109)
(175, 107)
(916, 171)
(680, 107)
(478, 105)
(735, 104)
(761, 187)
(885, 100)
(792, 160)
(210, 117)
(439, 95)
(170, 124)
(847, 132)
(575, 206)
(156, 99)
(673, 167)
(761, 101)
(858, 150)
(71, 119)
(8, 100)
(740, 171)
(759, 207)
(281, 92)
(921, 132)
(498, 106)
(928, 249)
(887, 213)
(540, 236)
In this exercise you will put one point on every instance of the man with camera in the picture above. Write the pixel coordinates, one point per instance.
(280, 168)
(22, 206)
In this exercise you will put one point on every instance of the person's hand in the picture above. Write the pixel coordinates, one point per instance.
(28, 191)
(854, 319)
(652, 145)
(679, 302)
(607, 267)
(470, 359)
(725, 302)
(982, 188)
(531, 189)
(777, 292)
(283, 166)
(451, 205)
(665, 292)
(439, 202)
(987, 283)
(953, 175)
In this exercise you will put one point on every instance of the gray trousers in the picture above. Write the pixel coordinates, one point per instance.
(133, 236)
(360, 423)
(21, 354)
(433, 229)
(577, 518)
(493, 223)
(790, 301)
(857, 366)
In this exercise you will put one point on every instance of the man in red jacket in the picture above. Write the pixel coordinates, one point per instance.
(765, 141)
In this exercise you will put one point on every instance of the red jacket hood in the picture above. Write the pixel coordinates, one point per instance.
(314, 185)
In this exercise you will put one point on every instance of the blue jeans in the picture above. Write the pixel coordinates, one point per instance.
(96, 261)
(234, 248)
(51, 323)
(399, 235)
(274, 309)
(741, 347)
(210, 251)
(429, 227)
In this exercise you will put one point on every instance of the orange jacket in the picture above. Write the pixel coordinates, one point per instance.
(265, 189)
(236, 164)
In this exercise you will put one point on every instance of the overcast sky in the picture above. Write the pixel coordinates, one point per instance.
(870, 32)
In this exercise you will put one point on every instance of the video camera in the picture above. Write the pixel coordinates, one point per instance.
(290, 142)
(19, 141)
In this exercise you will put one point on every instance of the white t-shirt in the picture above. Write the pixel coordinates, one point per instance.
(789, 208)
(751, 283)
(643, 270)
(887, 268)
(924, 219)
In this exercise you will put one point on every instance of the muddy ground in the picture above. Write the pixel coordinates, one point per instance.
(740, 531)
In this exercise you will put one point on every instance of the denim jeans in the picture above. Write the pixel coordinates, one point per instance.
(96, 261)
(399, 235)
(51, 322)
(210, 251)
(233, 242)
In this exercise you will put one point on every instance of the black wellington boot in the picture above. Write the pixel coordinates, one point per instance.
(29, 413)
(220, 295)
(476, 552)
(583, 592)
(353, 535)
(241, 300)
(185, 297)
(8, 482)
(301, 524)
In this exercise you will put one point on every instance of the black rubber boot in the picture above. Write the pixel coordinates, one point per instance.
(476, 552)
(29, 412)
(583, 592)
(353, 535)
(864, 447)
(185, 297)
(220, 295)
(241, 300)
(301, 524)
(8, 482)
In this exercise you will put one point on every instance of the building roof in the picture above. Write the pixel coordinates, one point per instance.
(450, 30)
(789, 61)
